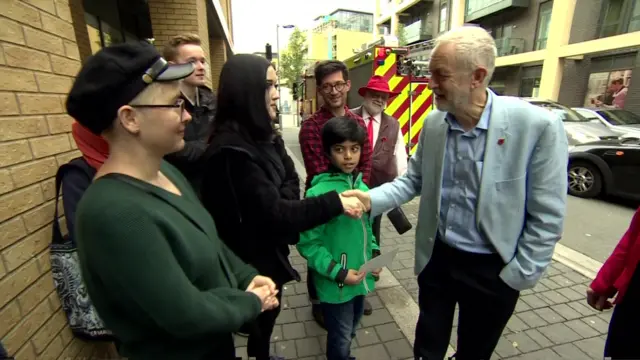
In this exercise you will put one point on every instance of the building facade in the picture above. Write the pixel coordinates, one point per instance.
(338, 34)
(42, 46)
(564, 50)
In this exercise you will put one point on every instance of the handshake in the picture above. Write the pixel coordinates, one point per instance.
(265, 289)
(355, 202)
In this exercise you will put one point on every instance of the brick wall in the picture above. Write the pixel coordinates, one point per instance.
(217, 59)
(173, 17)
(38, 59)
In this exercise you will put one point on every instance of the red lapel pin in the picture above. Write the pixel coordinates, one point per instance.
(383, 139)
(500, 141)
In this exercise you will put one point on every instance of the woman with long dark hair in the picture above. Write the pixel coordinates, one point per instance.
(250, 186)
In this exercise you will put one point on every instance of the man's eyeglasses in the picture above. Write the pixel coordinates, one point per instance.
(327, 88)
(178, 105)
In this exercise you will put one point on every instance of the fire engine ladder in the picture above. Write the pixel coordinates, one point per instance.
(421, 46)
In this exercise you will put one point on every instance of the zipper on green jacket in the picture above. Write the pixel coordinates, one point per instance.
(343, 263)
(364, 232)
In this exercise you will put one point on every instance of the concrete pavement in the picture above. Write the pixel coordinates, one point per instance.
(551, 321)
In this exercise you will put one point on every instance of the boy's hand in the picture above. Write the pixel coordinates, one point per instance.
(352, 206)
(360, 195)
(354, 277)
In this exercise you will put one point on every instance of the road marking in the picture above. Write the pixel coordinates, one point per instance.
(302, 173)
(577, 261)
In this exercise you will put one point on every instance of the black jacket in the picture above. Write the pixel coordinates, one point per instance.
(253, 193)
(196, 134)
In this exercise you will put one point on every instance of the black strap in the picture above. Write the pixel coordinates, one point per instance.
(57, 233)
(77, 163)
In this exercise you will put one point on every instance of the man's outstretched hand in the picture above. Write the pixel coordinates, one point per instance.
(360, 195)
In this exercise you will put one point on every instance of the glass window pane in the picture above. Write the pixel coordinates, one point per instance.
(612, 18)
(544, 19)
(111, 35)
(443, 18)
(634, 24)
(93, 32)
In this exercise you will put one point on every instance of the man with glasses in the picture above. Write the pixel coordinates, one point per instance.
(199, 101)
(332, 81)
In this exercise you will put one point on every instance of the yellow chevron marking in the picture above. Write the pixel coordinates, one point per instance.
(397, 101)
(394, 81)
(389, 61)
(417, 102)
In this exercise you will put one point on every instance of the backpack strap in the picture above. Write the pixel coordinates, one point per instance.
(77, 163)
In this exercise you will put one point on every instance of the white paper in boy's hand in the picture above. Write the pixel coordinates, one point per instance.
(379, 261)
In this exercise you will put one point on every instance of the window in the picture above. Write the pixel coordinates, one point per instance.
(110, 22)
(530, 87)
(544, 19)
(353, 21)
(444, 16)
(608, 89)
(619, 117)
(634, 24)
(619, 17)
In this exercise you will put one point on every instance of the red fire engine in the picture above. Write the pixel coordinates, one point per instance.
(406, 74)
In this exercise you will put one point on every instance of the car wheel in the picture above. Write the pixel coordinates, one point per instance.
(585, 180)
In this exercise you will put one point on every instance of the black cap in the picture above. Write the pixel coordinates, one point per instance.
(113, 77)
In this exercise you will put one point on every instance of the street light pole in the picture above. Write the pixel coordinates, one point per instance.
(278, 68)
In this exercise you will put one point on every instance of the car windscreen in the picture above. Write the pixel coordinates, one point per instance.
(587, 114)
(619, 117)
(565, 113)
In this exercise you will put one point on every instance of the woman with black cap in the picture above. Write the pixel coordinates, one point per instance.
(250, 185)
(153, 264)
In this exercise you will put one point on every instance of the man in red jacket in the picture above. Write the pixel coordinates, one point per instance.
(620, 277)
(332, 82)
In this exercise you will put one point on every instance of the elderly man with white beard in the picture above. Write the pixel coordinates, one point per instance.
(389, 157)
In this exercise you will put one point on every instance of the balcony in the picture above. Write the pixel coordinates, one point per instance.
(509, 46)
(417, 32)
(476, 9)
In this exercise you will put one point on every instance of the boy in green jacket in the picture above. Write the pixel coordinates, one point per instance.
(339, 248)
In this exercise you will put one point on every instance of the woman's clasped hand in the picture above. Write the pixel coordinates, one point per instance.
(265, 289)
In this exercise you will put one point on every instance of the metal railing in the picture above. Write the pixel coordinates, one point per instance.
(416, 31)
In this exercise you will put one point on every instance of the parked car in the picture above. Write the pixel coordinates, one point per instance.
(605, 167)
(580, 130)
(622, 122)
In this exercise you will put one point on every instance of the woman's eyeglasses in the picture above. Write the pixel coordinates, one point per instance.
(179, 104)
(327, 88)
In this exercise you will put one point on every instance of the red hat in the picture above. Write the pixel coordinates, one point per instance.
(377, 83)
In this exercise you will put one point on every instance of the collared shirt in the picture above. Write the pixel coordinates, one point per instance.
(399, 153)
(315, 159)
(462, 171)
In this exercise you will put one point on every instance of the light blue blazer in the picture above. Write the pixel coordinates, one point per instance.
(523, 190)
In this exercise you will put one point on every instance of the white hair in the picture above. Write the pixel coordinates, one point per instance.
(474, 47)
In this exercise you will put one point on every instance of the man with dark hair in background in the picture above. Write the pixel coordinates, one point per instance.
(332, 81)
(200, 102)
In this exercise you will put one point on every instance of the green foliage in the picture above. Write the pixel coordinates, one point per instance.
(292, 61)
(402, 38)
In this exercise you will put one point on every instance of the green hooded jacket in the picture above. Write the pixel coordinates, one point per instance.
(343, 240)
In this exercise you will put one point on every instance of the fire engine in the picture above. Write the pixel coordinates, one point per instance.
(406, 73)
